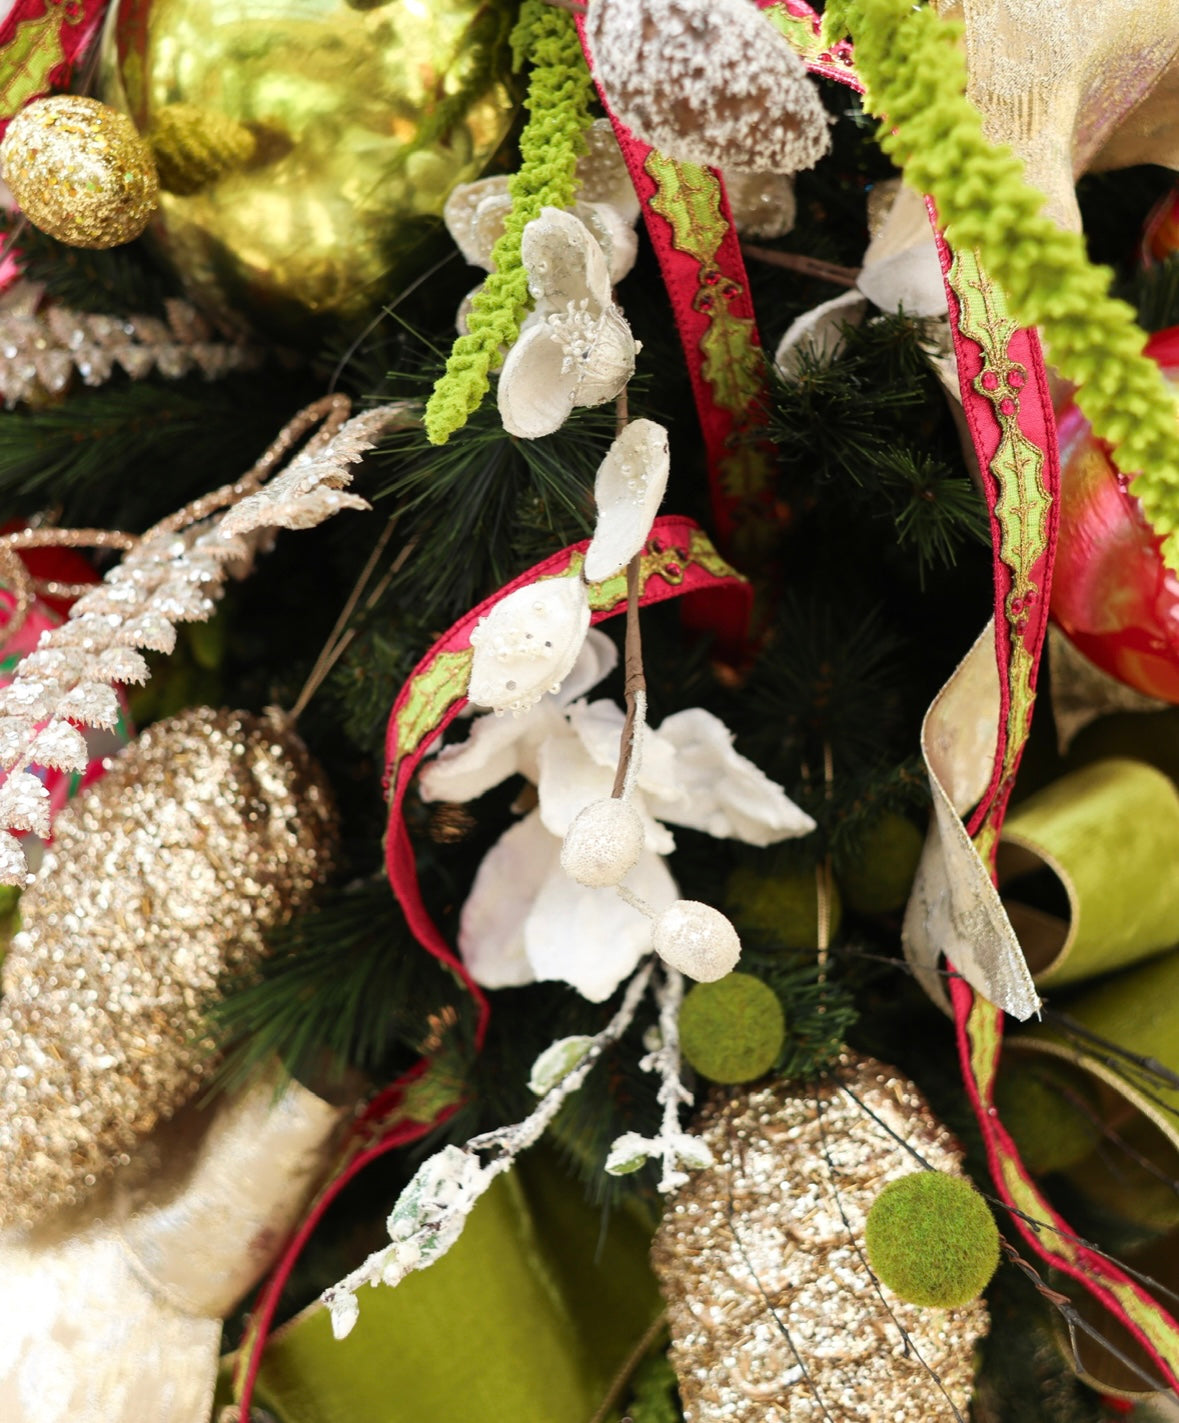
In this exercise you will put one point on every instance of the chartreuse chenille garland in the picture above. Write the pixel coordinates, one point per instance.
(558, 103)
(912, 65)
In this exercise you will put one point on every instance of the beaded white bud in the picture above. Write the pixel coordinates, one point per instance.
(709, 82)
(603, 844)
(528, 643)
(697, 939)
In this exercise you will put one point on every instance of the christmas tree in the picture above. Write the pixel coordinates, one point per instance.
(549, 872)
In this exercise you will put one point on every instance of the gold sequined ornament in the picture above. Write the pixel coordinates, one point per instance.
(363, 120)
(80, 171)
(209, 830)
(763, 1255)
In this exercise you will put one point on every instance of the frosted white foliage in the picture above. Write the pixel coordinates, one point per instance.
(171, 575)
(697, 940)
(709, 82)
(431, 1212)
(603, 844)
(628, 490)
(575, 347)
(527, 645)
(671, 1146)
(556, 1062)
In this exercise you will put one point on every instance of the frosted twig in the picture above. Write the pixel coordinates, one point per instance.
(672, 1145)
(432, 1210)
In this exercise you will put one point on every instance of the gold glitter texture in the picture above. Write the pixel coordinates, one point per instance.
(774, 1314)
(80, 171)
(206, 832)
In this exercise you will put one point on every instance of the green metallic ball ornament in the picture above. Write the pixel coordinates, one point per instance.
(360, 122)
(932, 1240)
(732, 1030)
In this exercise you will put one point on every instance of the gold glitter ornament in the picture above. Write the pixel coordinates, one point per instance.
(763, 1255)
(364, 120)
(79, 171)
(166, 875)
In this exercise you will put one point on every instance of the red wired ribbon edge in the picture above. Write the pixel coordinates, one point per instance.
(678, 559)
(41, 41)
(690, 224)
(1005, 395)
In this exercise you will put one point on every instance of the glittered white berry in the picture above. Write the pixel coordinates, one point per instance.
(603, 844)
(709, 82)
(696, 939)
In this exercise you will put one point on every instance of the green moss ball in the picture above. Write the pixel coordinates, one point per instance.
(1050, 1112)
(932, 1240)
(779, 909)
(732, 1030)
(878, 878)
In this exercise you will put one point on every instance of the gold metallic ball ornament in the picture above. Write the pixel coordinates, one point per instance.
(80, 171)
(363, 120)
(165, 876)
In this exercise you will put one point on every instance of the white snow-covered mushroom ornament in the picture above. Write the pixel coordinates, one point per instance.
(575, 348)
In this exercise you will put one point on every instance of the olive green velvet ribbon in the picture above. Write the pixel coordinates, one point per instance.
(1110, 834)
(527, 1319)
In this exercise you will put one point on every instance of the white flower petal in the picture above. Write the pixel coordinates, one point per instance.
(628, 490)
(901, 267)
(596, 660)
(564, 263)
(613, 233)
(590, 938)
(491, 928)
(599, 726)
(489, 755)
(723, 793)
(570, 779)
(462, 215)
(603, 172)
(535, 392)
(819, 332)
(528, 643)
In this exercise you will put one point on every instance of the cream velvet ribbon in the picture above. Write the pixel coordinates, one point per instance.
(112, 1313)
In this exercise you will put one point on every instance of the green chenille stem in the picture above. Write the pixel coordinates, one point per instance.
(915, 75)
(559, 91)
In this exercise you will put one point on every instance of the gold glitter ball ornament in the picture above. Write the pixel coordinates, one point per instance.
(80, 171)
(209, 830)
(774, 1314)
(364, 117)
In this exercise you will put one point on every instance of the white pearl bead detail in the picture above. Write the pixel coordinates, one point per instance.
(697, 939)
(603, 844)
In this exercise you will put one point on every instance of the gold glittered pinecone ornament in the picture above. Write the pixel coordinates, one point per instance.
(774, 1314)
(209, 830)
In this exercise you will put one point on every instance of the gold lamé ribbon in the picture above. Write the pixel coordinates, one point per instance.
(112, 1314)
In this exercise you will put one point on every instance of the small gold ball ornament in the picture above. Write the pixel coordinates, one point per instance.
(80, 171)
(209, 830)
(765, 1251)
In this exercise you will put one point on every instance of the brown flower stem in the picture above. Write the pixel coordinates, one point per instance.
(801, 263)
(636, 681)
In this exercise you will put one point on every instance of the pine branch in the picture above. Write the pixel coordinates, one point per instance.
(125, 454)
(117, 281)
(345, 986)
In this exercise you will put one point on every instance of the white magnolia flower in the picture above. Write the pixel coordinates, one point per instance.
(525, 919)
(575, 347)
(528, 643)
